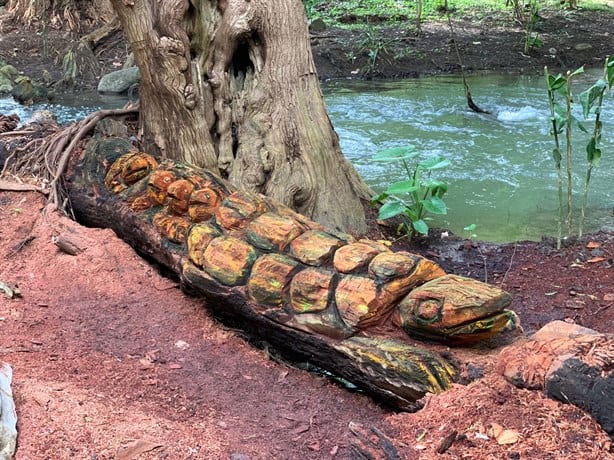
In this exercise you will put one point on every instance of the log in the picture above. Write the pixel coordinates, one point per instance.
(312, 294)
(570, 363)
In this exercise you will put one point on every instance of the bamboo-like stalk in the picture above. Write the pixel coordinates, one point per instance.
(568, 156)
(557, 147)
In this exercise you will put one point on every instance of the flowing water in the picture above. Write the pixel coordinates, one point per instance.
(502, 177)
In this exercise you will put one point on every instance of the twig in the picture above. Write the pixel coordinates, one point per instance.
(16, 187)
(472, 105)
(510, 264)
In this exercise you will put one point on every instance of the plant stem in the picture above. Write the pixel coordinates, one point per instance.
(569, 154)
(557, 147)
(596, 136)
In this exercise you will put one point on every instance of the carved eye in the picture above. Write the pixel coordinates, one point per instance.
(428, 311)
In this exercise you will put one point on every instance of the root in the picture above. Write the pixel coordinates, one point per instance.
(47, 158)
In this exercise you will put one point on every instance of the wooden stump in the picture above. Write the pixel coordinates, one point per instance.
(569, 363)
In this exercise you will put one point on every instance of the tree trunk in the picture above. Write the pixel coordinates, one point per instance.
(231, 86)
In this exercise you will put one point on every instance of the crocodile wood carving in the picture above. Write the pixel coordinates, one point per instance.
(318, 295)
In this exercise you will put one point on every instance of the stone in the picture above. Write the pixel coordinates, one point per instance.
(228, 260)
(120, 81)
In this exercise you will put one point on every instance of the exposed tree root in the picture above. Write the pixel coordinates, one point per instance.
(46, 158)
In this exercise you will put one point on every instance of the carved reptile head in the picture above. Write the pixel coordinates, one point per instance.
(456, 310)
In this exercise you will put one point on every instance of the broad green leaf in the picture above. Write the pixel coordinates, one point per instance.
(430, 182)
(592, 94)
(560, 118)
(578, 71)
(434, 163)
(593, 154)
(377, 199)
(396, 154)
(391, 209)
(435, 205)
(470, 228)
(421, 227)
(404, 186)
(556, 155)
(556, 83)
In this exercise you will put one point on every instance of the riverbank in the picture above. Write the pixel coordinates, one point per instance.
(486, 43)
(112, 360)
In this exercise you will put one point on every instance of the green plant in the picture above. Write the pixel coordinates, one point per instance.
(562, 121)
(592, 100)
(374, 45)
(413, 198)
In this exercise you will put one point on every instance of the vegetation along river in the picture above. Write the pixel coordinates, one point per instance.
(502, 176)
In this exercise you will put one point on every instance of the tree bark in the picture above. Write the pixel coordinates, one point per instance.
(231, 86)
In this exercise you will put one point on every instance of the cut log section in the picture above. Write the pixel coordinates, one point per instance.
(569, 363)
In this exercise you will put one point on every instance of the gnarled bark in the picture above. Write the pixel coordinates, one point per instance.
(231, 86)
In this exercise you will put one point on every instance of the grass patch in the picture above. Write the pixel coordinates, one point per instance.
(347, 12)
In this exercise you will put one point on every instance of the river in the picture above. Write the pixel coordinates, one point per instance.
(502, 177)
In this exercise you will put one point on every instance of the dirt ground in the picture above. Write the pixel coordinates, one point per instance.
(112, 361)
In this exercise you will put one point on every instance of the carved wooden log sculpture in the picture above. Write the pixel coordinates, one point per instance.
(317, 295)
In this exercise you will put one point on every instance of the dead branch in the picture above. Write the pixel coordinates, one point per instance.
(17, 187)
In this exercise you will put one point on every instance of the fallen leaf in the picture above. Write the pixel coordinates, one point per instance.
(608, 297)
(135, 448)
(496, 429)
(175, 366)
(593, 245)
(595, 260)
(508, 437)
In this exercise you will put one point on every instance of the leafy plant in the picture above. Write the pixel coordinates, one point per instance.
(592, 100)
(413, 198)
(562, 121)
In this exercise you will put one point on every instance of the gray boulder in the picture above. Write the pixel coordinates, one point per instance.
(120, 81)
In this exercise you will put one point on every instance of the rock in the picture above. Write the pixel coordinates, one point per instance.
(317, 25)
(9, 72)
(583, 46)
(27, 92)
(119, 81)
(6, 85)
(569, 363)
(8, 417)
